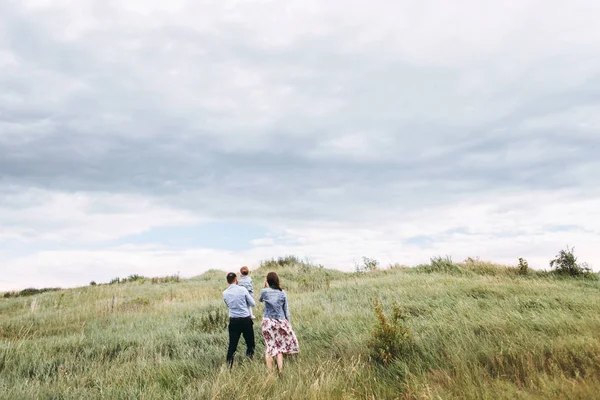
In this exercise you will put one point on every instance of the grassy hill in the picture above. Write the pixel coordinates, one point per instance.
(478, 331)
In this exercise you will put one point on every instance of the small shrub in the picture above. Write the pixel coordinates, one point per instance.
(390, 338)
(566, 263)
(280, 262)
(134, 278)
(368, 265)
(523, 267)
(116, 280)
(442, 265)
(29, 292)
(93, 283)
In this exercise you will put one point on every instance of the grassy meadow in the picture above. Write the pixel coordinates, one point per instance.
(478, 331)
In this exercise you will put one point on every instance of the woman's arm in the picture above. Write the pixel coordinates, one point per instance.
(261, 298)
(286, 310)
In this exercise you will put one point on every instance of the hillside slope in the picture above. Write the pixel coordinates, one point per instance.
(482, 332)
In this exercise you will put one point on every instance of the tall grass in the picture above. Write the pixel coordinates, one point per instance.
(478, 331)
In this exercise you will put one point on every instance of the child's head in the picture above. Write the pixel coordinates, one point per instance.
(244, 271)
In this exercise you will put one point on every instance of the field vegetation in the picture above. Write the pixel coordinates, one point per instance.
(472, 329)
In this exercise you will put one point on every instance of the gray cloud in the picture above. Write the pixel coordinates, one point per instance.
(300, 112)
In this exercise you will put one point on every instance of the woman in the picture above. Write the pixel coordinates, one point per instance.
(279, 336)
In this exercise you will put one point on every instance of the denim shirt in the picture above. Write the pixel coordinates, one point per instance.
(276, 304)
(246, 282)
(238, 301)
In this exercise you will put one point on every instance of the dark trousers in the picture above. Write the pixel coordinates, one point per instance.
(237, 327)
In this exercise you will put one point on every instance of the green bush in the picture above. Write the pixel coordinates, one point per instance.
(368, 265)
(390, 338)
(566, 263)
(523, 267)
(29, 292)
(280, 262)
(134, 278)
(441, 265)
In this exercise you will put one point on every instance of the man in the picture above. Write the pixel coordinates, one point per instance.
(238, 301)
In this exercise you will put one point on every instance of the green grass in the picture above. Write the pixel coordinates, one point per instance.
(480, 331)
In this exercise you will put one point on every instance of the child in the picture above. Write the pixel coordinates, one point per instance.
(246, 282)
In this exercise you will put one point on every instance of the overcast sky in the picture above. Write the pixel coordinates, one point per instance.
(156, 137)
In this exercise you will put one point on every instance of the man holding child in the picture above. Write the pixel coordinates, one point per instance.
(239, 301)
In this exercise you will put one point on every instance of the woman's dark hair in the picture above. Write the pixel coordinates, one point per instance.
(273, 281)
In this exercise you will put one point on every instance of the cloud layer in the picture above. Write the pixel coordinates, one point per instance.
(398, 130)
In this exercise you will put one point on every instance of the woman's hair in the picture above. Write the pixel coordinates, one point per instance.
(273, 281)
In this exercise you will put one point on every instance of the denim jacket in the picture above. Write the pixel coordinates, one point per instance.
(276, 304)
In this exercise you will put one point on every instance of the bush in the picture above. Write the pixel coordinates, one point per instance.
(29, 292)
(280, 262)
(93, 283)
(390, 338)
(368, 265)
(115, 281)
(134, 278)
(566, 263)
(439, 264)
(523, 267)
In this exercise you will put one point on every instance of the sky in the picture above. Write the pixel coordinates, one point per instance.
(158, 137)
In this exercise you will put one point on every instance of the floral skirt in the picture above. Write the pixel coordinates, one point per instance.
(279, 337)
